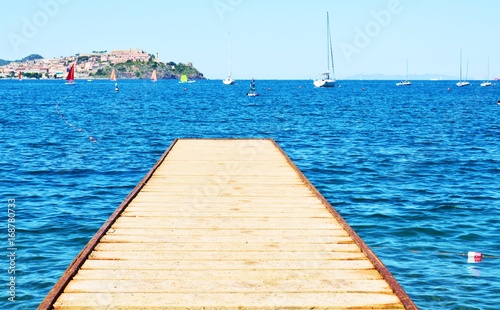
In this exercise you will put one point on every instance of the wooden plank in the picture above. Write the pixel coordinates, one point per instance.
(242, 240)
(229, 286)
(228, 247)
(223, 264)
(116, 230)
(229, 301)
(222, 256)
(204, 274)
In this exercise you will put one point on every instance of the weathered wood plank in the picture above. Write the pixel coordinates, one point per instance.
(229, 246)
(228, 286)
(117, 230)
(223, 264)
(229, 301)
(217, 255)
(204, 274)
(242, 240)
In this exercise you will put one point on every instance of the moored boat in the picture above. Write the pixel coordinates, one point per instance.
(326, 80)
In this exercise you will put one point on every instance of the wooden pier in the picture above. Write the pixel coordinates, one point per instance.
(226, 224)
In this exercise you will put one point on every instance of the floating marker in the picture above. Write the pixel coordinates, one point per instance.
(67, 122)
(474, 257)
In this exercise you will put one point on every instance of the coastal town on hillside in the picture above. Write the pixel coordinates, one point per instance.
(90, 65)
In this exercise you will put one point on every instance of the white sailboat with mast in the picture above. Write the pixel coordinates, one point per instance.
(327, 81)
(405, 82)
(463, 83)
(229, 80)
(487, 82)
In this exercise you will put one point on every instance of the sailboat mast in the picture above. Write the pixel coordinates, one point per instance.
(460, 65)
(488, 68)
(407, 69)
(329, 46)
(467, 70)
(229, 58)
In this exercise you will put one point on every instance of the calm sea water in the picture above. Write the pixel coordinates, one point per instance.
(414, 170)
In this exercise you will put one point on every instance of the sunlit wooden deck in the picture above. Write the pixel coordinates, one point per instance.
(226, 224)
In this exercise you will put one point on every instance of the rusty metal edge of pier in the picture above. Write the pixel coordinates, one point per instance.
(80, 259)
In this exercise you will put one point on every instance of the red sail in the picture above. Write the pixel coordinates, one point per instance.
(71, 74)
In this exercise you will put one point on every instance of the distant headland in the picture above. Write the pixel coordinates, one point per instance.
(128, 64)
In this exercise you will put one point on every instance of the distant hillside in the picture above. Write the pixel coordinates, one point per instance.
(4, 62)
(143, 70)
(30, 57)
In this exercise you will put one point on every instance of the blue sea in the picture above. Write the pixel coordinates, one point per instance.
(414, 170)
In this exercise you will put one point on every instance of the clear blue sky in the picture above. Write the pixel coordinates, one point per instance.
(269, 39)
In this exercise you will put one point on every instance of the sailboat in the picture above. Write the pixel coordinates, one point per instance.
(229, 80)
(113, 75)
(463, 83)
(184, 79)
(487, 82)
(154, 78)
(326, 81)
(405, 82)
(20, 76)
(70, 78)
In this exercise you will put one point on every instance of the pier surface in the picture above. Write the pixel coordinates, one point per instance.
(226, 224)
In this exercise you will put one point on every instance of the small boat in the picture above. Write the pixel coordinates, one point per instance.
(154, 78)
(405, 82)
(487, 82)
(185, 79)
(326, 81)
(229, 80)
(463, 83)
(70, 78)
